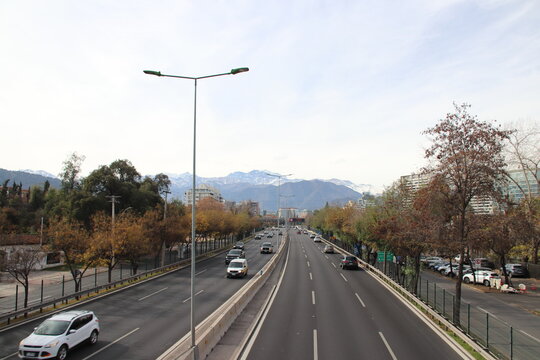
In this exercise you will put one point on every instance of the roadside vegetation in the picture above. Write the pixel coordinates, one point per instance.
(468, 160)
(113, 215)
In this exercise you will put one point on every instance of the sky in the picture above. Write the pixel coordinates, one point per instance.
(336, 88)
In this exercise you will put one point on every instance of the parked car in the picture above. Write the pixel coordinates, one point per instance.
(516, 270)
(317, 239)
(59, 334)
(349, 262)
(481, 276)
(237, 268)
(234, 254)
(267, 248)
(436, 264)
(429, 259)
(483, 262)
(328, 249)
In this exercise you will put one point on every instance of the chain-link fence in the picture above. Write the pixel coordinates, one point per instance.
(497, 336)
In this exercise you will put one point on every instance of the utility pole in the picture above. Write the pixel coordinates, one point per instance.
(113, 202)
(166, 192)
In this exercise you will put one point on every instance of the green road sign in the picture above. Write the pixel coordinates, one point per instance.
(389, 256)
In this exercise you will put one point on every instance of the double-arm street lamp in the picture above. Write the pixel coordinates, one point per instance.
(279, 198)
(195, 79)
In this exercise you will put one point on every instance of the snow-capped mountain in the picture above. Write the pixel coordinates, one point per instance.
(40, 172)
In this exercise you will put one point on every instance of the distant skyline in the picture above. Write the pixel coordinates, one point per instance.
(336, 89)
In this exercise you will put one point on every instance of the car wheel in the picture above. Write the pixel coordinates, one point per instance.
(93, 337)
(467, 280)
(486, 282)
(62, 353)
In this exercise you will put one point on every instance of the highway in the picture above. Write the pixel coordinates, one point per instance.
(143, 321)
(323, 312)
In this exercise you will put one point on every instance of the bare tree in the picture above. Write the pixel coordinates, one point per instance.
(20, 264)
(467, 155)
(523, 156)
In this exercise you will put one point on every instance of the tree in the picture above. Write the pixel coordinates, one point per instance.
(71, 171)
(20, 264)
(523, 155)
(466, 154)
(71, 239)
(103, 244)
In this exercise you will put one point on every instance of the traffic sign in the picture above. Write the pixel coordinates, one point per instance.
(389, 256)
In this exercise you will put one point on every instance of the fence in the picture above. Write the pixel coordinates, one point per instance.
(64, 289)
(497, 336)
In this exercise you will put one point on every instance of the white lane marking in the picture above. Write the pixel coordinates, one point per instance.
(315, 350)
(326, 256)
(154, 293)
(334, 265)
(361, 302)
(313, 297)
(529, 335)
(305, 256)
(112, 343)
(261, 321)
(9, 356)
(344, 278)
(308, 264)
(387, 346)
(310, 276)
(487, 312)
(200, 272)
(189, 298)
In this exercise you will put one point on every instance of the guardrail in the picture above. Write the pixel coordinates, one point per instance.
(210, 331)
(8, 317)
(427, 311)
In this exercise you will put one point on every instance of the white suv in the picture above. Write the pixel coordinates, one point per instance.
(237, 268)
(59, 334)
(481, 277)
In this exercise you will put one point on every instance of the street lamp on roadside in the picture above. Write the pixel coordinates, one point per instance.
(195, 79)
(279, 198)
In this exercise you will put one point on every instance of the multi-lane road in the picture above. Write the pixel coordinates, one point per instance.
(323, 312)
(145, 320)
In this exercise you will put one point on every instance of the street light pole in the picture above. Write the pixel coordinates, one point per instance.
(279, 198)
(193, 227)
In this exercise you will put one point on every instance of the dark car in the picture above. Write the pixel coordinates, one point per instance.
(349, 262)
(234, 254)
(270, 235)
(258, 237)
(516, 270)
(239, 245)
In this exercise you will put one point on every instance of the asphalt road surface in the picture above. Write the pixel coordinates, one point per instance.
(323, 312)
(145, 320)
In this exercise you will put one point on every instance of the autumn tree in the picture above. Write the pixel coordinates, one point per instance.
(103, 244)
(72, 240)
(466, 154)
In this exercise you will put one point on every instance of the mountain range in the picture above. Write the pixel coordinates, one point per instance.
(238, 186)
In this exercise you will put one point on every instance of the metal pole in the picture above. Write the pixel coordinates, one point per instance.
(443, 301)
(16, 297)
(511, 343)
(41, 292)
(487, 331)
(435, 296)
(192, 301)
(63, 284)
(95, 277)
(468, 318)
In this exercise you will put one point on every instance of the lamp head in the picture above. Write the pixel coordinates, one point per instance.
(239, 70)
(151, 72)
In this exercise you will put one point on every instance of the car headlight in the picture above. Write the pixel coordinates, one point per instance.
(52, 344)
(22, 341)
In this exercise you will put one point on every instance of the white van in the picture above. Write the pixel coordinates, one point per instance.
(237, 268)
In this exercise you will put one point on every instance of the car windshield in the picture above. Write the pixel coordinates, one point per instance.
(267, 244)
(235, 265)
(52, 327)
(239, 244)
(235, 252)
(349, 258)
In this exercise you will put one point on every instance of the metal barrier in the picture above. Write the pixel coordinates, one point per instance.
(501, 339)
(8, 317)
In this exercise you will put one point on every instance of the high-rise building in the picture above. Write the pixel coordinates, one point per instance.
(201, 192)
(523, 183)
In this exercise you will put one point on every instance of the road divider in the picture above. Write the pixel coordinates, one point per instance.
(211, 330)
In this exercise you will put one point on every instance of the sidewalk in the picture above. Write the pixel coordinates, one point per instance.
(8, 283)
